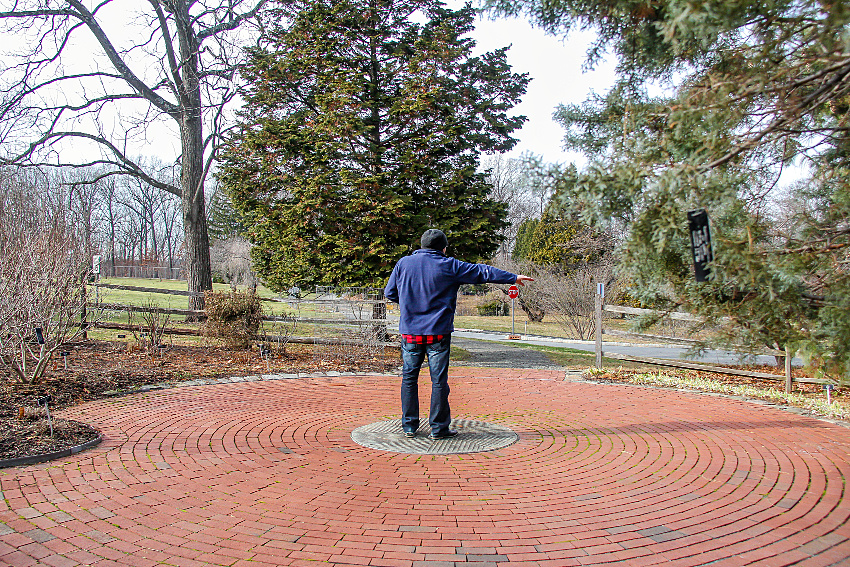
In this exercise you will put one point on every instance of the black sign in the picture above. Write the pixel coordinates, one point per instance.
(700, 243)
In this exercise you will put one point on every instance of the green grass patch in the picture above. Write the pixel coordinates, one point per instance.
(458, 354)
(571, 357)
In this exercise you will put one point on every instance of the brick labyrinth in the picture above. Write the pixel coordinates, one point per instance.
(265, 473)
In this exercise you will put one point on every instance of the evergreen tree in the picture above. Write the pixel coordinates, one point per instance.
(224, 220)
(560, 243)
(753, 88)
(363, 126)
(524, 236)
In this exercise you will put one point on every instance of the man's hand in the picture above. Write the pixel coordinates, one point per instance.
(520, 279)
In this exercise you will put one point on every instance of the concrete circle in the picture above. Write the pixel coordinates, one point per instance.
(474, 437)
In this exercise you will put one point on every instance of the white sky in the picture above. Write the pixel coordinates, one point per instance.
(555, 67)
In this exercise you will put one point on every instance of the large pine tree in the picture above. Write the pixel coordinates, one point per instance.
(752, 89)
(363, 126)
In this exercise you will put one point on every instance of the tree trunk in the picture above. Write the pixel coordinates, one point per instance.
(198, 268)
(535, 313)
(198, 272)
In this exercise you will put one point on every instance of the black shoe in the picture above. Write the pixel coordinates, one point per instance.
(447, 435)
(410, 434)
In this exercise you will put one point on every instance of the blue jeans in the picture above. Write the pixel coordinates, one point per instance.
(413, 356)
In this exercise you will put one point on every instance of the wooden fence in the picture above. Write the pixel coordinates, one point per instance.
(677, 316)
(376, 309)
(143, 271)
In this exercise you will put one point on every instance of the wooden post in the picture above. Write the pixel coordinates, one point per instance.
(600, 295)
(83, 324)
(379, 311)
(788, 380)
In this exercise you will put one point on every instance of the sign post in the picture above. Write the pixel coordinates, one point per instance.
(513, 293)
(600, 298)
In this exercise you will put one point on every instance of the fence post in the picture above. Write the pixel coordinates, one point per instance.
(83, 315)
(600, 295)
(379, 311)
(788, 379)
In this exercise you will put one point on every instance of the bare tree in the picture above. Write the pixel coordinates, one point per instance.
(165, 62)
(143, 200)
(109, 188)
(232, 259)
(43, 269)
(510, 181)
(169, 215)
(84, 202)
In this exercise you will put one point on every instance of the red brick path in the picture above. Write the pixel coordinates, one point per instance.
(265, 473)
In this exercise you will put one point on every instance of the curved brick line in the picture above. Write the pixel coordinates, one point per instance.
(727, 537)
(731, 508)
(456, 473)
(613, 496)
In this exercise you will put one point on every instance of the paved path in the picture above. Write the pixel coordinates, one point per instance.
(488, 353)
(265, 473)
(632, 349)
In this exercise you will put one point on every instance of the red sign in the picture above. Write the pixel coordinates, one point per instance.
(513, 292)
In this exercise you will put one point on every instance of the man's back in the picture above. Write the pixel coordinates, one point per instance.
(425, 285)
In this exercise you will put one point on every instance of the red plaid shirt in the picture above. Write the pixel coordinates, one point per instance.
(423, 339)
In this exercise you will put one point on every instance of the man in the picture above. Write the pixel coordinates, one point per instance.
(425, 286)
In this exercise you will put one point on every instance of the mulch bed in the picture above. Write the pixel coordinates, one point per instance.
(103, 368)
(840, 395)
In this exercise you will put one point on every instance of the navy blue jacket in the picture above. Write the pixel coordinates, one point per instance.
(425, 286)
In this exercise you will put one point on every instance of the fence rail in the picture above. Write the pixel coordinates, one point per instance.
(676, 315)
(150, 289)
(142, 271)
(203, 314)
(622, 309)
(198, 332)
(369, 315)
(137, 309)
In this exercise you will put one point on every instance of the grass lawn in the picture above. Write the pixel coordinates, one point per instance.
(141, 298)
(161, 300)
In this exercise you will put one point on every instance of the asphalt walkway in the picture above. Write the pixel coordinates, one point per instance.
(264, 473)
(664, 351)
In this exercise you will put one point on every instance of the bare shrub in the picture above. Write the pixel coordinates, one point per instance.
(232, 317)
(43, 271)
(282, 329)
(571, 298)
(231, 259)
(352, 348)
(152, 324)
(567, 298)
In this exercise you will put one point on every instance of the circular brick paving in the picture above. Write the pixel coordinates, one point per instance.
(266, 473)
(473, 437)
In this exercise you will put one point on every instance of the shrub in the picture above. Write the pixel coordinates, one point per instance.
(493, 307)
(43, 269)
(232, 317)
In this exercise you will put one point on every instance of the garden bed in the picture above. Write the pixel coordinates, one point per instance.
(103, 368)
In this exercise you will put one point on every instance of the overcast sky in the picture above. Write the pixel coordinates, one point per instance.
(554, 65)
(557, 78)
